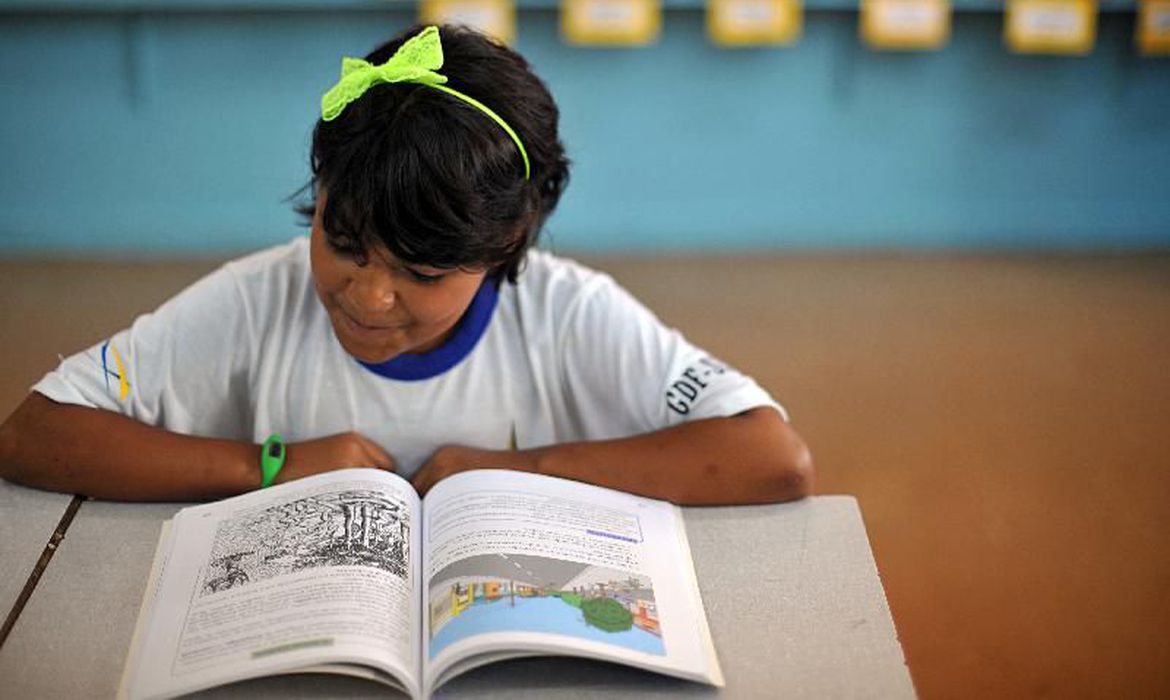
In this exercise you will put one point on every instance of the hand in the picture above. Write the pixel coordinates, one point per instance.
(334, 452)
(453, 459)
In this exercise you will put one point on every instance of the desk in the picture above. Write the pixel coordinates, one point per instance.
(28, 519)
(794, 602)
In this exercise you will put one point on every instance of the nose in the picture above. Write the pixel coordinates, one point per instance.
(371, 292)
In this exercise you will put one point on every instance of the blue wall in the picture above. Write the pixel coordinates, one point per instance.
(184, 130)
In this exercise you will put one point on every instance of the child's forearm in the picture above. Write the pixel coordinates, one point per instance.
(755, 457)
(97, 453)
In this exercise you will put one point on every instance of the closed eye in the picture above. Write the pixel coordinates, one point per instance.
(423, 277)
(347, 246)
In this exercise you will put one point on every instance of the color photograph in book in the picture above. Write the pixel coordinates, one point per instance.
(529, 593)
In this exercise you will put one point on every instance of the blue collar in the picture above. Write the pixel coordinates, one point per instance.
(414, 367)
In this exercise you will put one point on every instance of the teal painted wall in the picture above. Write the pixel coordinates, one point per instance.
(185, 130)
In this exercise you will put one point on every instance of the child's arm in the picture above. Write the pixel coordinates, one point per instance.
(753, 457)
(99, 453)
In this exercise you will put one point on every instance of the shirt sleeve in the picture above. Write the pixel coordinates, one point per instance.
(183, 367)
(625, 372)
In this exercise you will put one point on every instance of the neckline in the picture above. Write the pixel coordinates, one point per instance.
(412, 367)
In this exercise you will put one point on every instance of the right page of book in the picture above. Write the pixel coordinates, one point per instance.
(519, 564)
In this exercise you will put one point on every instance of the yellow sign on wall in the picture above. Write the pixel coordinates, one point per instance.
(496, 18)
(1051, 26)
(754, 22)
(1153, 27)
(611, 22)
(906, 25)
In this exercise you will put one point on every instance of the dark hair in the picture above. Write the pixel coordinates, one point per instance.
(433, 178)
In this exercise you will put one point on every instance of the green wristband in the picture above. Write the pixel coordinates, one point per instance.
(271, 459)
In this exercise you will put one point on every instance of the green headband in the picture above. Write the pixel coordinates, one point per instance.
(414, 62)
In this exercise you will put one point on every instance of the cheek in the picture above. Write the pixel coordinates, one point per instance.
(322, 291)
(327, 278)
(432, 308)
(444, 306)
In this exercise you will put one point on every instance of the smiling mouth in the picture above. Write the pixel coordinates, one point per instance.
(367, 328)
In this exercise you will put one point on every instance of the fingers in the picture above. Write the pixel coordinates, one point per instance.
(444, 462)
(339, 451)
(424, 479)
(453, 459)
(372, 454)
(419, 482)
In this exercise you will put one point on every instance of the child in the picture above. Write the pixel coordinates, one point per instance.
(415, 330)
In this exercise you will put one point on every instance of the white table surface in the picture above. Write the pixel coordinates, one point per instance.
(792, 595)
(27, 520)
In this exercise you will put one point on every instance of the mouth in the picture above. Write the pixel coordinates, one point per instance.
(375, 330)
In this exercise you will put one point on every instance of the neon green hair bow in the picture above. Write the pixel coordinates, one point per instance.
(414, 62)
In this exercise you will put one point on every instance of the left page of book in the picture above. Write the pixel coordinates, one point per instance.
(320, 574)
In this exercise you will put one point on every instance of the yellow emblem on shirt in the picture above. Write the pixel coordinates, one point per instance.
(123, 383)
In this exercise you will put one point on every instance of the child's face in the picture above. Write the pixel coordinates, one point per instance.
(384, 308)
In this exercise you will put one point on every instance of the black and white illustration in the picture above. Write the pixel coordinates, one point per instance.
(356, 527)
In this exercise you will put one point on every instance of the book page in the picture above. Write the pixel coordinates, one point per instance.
(324, 570)
(533, 564)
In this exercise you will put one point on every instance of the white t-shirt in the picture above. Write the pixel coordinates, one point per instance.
(249, 350)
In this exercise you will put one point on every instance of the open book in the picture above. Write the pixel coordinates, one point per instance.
(350, 572)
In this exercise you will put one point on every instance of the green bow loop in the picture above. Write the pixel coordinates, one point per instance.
(414, 62)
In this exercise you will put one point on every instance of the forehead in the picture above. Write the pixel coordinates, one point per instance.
(355, 237)
(397, 238)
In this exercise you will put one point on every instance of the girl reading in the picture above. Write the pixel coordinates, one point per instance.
(416, 328)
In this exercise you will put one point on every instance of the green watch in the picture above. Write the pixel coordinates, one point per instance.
(272, 455)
